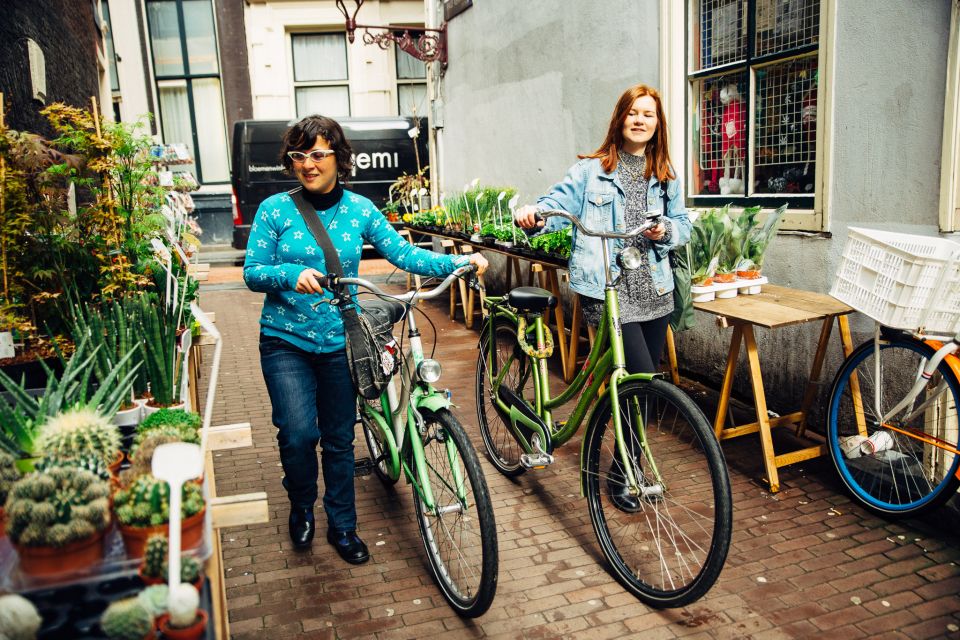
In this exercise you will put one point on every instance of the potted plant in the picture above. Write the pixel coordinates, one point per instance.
(184, 620)
(82, 433)
(127, 619)
(56, 520)
(158, 325)
(752, 238)
(19, 619)
(143, 509)
(154, 598)
(8, 475)
(554, 243)
(141, 453)
(151, 569)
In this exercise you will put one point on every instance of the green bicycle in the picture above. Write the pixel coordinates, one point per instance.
(411, 431)
(651, 469)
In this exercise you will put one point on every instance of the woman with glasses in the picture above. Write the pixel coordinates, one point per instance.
(302, 345)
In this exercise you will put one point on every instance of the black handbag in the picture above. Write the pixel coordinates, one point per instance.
(371, 348)
(682, 317)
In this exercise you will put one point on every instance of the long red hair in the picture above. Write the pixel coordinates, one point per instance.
(657, 150)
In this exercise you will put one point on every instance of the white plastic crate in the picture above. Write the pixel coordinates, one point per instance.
(895, 277)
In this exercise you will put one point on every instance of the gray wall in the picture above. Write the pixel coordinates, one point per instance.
(529, 87)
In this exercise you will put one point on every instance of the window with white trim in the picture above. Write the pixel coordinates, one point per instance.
(754, 75)
(411, 84)
(321, 81)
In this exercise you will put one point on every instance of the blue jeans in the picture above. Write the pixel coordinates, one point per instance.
(303, 386)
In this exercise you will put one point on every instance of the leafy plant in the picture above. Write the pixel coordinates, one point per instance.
(78, 433)
(158, 325)
(750, 239)
(171, 417)
(557, 242)
(146, 503)
(126, 619)
(707, 241)
(406, 189)
(57, 507)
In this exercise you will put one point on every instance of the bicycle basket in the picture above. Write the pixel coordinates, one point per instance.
(901, 281)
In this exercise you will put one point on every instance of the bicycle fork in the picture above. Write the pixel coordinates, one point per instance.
(635, 487)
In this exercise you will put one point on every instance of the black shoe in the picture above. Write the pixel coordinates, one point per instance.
(302, 526)
(619, 493)
(349, 545)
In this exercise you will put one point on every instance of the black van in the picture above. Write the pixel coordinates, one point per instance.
(382, 147)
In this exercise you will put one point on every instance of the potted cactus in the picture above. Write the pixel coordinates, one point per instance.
(141, 455)
(8, 475)
(151, 569)
(19, 619)
(56, 520)
(191, 572)
(81, 433)
(154, 599)
(127, 619)
(143, 509)
(184, 620)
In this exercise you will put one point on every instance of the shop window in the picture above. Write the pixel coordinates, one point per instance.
(411, 84)
(320, 76)
(754, 76)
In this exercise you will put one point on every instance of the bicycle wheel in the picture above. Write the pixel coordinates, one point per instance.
(904, 475)
(378, 449)
(502, 448)
(668, 545)
(459, 534)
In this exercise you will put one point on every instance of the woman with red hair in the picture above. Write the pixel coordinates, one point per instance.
(610, 190)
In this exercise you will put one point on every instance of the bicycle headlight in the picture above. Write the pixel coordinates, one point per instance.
(630, 259)
(429, 371)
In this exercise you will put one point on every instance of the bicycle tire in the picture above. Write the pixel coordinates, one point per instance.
(668, 549)
(502, 448)
(466, 530)
(906, 478)
(372, 436)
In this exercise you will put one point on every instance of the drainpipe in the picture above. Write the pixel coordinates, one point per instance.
(434, 111)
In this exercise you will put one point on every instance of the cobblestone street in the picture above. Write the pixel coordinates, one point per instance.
(803, 563)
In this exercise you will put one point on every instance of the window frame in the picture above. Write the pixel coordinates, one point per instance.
(422, 81)
(949, 216)
(188, 78)
(307, 84)
(804, 213)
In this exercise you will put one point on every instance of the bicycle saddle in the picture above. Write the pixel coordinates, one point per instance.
(383, 310)
(531, 299)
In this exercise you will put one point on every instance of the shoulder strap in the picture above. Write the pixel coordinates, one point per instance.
(330, 257)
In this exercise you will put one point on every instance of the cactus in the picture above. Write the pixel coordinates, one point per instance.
(190, 569)
(158, 344)
(154, 599)
(8, 475)
(182, 605)
(126, 620)
(141, 456)
(79, 433)
(145, 503)
(19, 619)
(57, 507)
(180, 433)
(93, 464)
(155, 556)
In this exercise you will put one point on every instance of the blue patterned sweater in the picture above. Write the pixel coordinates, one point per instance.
(281, 247)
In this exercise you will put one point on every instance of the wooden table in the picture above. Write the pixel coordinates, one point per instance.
(773, 308)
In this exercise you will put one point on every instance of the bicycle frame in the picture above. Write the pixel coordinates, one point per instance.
(605, 363)
(399, 420)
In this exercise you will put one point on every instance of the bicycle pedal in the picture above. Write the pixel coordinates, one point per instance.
(536, 460)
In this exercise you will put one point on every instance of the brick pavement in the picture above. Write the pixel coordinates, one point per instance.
(803, 563)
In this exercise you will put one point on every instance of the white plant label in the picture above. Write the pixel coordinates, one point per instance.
(6, 345)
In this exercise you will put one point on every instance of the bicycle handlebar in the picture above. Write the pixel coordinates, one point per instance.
(653, 219)
(333, 282)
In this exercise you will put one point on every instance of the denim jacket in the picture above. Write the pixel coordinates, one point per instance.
(598, 199)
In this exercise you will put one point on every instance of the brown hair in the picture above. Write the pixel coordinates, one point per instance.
(657, 149)
(303, 136)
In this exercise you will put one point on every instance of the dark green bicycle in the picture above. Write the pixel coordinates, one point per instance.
(651, 469)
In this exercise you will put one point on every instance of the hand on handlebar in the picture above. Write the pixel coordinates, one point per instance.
(479, 262)
(310, 281)
(527, 217)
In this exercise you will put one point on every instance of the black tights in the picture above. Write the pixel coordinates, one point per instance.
(643, 344)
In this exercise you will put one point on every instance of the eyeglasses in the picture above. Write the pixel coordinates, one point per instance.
(316, 155)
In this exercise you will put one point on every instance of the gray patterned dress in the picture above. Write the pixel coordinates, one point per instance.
(639, 300)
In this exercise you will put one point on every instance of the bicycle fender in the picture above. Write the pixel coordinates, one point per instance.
(434, 401)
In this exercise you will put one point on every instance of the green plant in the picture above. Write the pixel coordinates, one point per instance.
(558, 242)
(21, 420)
(190, 569)
(158, 323)
(92, 463)
(19, 619)
(57, 507)
(749, 238)
(177, 433)
(146, 502)
(8, 474)
(154, 599)
(141, 454)
(406, 189)
(126, 620)
(79, 433)
(171, 417)
(155, 556)
(707, 240)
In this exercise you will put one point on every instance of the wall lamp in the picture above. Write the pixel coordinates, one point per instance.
(426, 45)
